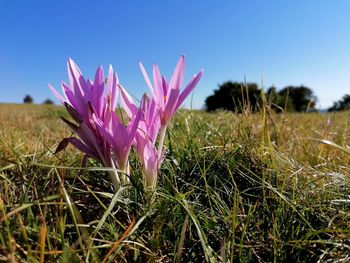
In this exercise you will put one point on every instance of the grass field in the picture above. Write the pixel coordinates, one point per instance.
(233, 188)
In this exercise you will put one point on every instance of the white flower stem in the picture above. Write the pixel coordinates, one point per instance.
(115, 177)
(151, 181)
(125, 174)
(161, 138)
(127, 181)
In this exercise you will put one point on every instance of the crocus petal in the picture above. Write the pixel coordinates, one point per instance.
(121, 145)
(82, 147)
(102, 130)
(61, 146)
(75, 79)
(127, 102)
(154, 129)
(119, 133)
(97, 95)
(166, 92)
(144, 103)
(178, 75)
(157, 78)
(170, 108)
(152, 110)
(140, 143)
(91, 110)
(89, 83)
(150, 164)
(135, 123)
(151, 121)
(73, 113)
(148, 82)
(99, 79)
(71, 98)
(191, 85)
(112, 82)
(57, 95)
(71, 125)
(107, 119)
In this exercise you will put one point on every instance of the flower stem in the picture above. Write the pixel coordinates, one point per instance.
(124, 177)
(127, 179)
(115, 177)
(115, 180)
(161, 138)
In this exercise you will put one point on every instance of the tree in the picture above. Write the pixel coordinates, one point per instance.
(28, 99)
(238, 96)
(48, 101)
(292, 98)
(274, 99)
(271, 94)
(234, 96)
(343, 104)
(299, 98)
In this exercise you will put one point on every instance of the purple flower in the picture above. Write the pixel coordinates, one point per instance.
(149, 124)
(119, 137)
(81, 93)
(83, 99)
(151, 163)
(167, 95)
(104, 136)
(146, 134)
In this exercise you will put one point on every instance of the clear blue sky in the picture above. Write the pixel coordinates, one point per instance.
(287, 42)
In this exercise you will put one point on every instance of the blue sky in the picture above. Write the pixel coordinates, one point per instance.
(284, 42)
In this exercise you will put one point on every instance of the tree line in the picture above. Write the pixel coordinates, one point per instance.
(28, 100)
(236, 96)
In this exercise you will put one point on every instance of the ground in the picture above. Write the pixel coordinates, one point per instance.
(245, 187)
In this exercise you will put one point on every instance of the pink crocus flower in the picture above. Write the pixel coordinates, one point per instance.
(84, 99)
(146, 134)
(81, 93)
(167, 95)
(103, 136)
(119, 136)
(150, 121)
(151, 163)
(146, 137)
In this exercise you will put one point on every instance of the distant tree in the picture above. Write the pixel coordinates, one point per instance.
(272, 96)
(48, 101)
(238, 96)
(297, 98)
(343, 104)
(234, 96)
(292, 98)
(28, 99)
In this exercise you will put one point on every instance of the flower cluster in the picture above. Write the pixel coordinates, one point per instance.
(104, 136)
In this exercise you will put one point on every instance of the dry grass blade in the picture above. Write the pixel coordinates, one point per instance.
(182, 240)
(42, 242)
(329, 143)
(105, 215)
(117, 243)
(15, 211)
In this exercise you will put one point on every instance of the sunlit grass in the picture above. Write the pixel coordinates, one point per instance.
(233, 187)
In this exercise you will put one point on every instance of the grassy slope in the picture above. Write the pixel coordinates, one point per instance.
(232, 187)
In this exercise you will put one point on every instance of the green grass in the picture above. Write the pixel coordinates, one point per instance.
(233, 188)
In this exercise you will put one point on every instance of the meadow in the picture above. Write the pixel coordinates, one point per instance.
(246, 187)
